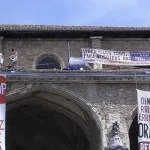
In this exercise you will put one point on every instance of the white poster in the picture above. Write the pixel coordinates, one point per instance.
(2, 111)
(143, 120)
(110, 57)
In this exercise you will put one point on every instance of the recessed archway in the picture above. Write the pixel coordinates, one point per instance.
(47, 115)
(48, 61)
(133, 130)
(133, 134)
(30, 127)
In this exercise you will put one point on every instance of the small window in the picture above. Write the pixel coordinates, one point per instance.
(48, 63)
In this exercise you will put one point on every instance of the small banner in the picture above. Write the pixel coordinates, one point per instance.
(2, 111)
(143, 120)
(110, 57)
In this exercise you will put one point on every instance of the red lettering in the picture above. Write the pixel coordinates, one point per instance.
(144, 146)
(1, 123)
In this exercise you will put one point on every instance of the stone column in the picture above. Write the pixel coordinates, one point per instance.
(1, 38)
(96, 41)
(96, 44)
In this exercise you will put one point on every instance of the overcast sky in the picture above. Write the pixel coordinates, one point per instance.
(76, 12)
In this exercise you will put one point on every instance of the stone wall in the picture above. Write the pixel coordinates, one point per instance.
(128, 44)
(110, 101)
(113, 102)
(30, 49)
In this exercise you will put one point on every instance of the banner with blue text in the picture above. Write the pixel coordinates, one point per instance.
(110, 57)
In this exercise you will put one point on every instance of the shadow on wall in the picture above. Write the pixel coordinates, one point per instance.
(133, 134)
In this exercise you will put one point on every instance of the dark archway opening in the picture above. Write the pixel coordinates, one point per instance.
(31, 127)
(48, 63)
(133, 134)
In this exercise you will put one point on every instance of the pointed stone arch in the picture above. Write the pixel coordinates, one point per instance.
(21, 96)
(133, 129)
(132, 116)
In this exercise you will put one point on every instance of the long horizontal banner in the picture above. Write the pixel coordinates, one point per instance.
(139, 58)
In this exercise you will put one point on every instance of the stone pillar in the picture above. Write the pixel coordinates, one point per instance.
(1, 38)
(96, 41)
(96, 44)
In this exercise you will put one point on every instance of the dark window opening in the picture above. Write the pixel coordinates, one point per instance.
(48, 63)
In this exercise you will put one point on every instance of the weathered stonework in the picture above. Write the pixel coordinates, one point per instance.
(30, 49)
(96, 42)
(90, 101)
(109, 101)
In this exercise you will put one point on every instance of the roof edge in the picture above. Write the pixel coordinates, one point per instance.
(21, 27)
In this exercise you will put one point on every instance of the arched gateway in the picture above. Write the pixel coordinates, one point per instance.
(133, 130)
(48, 117)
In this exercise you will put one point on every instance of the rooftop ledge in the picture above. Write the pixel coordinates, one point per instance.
(58, 76)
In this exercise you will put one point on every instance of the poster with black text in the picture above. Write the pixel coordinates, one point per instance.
(143, 120)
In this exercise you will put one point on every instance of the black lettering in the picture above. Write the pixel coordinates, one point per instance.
(142, 100)
(140, 129)
(145, 131)
(142, 109)
(148, 100)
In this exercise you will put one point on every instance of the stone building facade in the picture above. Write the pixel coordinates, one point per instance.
(70, 110)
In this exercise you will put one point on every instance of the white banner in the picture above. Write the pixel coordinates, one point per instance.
(143, 120)
(2, 111)
(109, 57)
